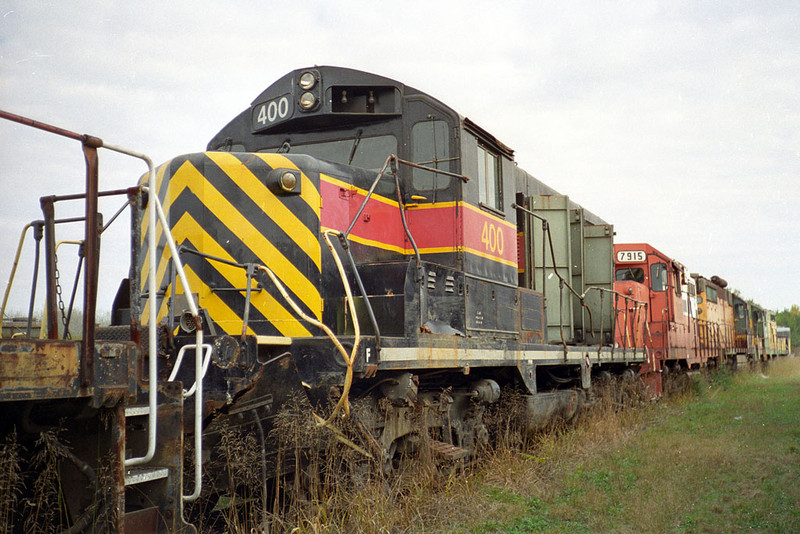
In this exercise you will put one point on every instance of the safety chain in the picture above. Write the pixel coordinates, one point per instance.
(61, 299)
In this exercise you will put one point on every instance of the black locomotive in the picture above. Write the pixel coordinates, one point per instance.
(347, 239)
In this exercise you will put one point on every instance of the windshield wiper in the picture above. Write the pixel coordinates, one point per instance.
(356, 141)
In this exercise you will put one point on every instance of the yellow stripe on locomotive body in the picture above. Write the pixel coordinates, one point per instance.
(232, 206)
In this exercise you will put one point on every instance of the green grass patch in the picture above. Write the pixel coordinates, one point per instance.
(725, 457)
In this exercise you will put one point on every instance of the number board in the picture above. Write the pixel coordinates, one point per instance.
(631, 256)
(271, 112)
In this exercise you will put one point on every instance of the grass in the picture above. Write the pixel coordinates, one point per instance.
(724, 457)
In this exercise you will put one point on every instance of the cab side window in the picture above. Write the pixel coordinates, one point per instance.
(635, 274)
(711, 294)
(490, 179)
(658, 277)
(679, 282)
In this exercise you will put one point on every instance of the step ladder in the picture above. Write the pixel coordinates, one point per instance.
(447, 451)
(153, 490)
(154, 480)
(139, 475)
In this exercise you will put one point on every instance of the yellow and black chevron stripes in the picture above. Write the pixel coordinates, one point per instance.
(220, 204)
(223, 313)
(245, 180)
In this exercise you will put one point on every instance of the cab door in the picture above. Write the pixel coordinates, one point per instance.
(431, 210)
(431, 198)
(660, 305)
(661, 308)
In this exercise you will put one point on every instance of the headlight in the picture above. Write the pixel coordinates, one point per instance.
(308, 101)
(283, 181)
(307, 81)
(288, 181)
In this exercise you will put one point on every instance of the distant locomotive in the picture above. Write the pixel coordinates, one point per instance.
(693, 321)
(346, 239)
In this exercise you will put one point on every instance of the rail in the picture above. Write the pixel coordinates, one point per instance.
(158, 212)
(38, 231)
(207, 349)
(90, 145)
(547, 244)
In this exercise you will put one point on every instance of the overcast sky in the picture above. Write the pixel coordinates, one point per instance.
(677, 121)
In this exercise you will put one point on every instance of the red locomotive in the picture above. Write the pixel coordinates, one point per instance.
(689, 320)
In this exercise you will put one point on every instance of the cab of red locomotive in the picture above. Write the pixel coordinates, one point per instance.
(670, 292)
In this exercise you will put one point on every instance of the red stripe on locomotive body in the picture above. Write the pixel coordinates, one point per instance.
(437, 228)
(489, 236)
(335, 205)
(434, 226)
(379, 224)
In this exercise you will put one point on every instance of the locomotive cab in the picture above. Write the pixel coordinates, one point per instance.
(715, 318)
(672, 310)
(743, 328)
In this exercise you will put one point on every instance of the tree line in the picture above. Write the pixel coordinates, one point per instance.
(791, 318)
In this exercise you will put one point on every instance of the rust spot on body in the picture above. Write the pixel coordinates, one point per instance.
(52, 367)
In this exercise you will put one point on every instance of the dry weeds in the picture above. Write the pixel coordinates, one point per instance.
(11, 482)
(423, 495)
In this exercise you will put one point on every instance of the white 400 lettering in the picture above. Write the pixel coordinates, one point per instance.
(276, 109)
(492, 238)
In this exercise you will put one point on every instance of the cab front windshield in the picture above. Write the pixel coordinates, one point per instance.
(635, 274)
(365, 152)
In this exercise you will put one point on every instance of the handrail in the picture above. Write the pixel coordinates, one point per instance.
(392, 160)
(563, 282)
(90, 146)
(207, 348)
(152, 368)
(343, 239)
(13, 273)
(198, 360)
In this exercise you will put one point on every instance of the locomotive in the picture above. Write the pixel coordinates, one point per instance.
(348, 240)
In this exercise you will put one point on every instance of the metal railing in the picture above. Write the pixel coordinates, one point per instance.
(90, 245)
(547, 245)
